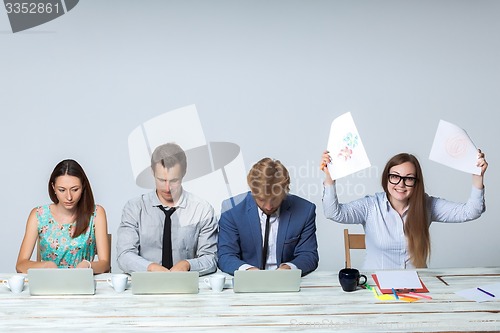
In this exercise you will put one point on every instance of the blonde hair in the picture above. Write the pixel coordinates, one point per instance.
(268, 178)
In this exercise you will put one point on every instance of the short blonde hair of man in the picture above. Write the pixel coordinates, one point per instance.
(268, 178)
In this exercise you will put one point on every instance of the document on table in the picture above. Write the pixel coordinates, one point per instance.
(490, 292)
(403, 279)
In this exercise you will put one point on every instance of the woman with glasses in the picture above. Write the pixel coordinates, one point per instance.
(71, 229)
(396, 221)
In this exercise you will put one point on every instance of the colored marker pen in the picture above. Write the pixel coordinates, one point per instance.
(395, 294)
(487, 293)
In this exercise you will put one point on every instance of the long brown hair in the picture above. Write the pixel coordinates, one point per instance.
(416, 227)
(86, 205)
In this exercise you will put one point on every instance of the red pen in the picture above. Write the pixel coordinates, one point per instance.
(419, 295)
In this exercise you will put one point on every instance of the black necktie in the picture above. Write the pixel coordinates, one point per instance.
(166, 250)
(266, 244)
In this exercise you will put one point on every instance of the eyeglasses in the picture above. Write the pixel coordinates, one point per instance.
(396, 179)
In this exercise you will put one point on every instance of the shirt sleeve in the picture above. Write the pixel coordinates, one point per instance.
(452, 212)
(292, 266)
(205, 261)
(305, 253)
(127, 246)
(354, 212)
(244, 267)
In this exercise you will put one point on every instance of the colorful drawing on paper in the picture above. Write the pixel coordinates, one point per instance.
(345, 153)
(453, 147)
(346, 148)
(351, 141)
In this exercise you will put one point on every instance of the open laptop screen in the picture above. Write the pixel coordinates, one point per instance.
(62, 281)
(165, 282)
(272, 281)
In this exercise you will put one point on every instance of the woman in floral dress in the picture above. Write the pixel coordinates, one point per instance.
(71, 230)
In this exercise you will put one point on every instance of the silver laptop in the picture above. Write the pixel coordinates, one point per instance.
(165, 282)
(62, 281)
(274, 281)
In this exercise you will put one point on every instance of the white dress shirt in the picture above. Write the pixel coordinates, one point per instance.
(271, 262)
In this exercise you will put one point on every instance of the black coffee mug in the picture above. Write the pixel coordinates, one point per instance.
(349, 279)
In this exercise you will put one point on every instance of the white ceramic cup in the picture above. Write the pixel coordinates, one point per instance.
(15, 283)
(118, 282)
(216, 282)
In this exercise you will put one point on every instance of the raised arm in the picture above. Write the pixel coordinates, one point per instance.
(477, 180)
(354, 212)
(325, 159)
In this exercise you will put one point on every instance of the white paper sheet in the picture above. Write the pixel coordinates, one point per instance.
(403, 279)
(453, 147)
(346, 149)
(474, 294)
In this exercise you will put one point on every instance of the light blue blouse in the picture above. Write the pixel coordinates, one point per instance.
(386, 244)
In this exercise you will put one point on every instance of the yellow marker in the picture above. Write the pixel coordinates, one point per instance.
(408, 299)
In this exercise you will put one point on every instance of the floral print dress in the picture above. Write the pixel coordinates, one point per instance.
(58, 246)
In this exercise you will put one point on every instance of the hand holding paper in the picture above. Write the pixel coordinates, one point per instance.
(345, 147)
(453, 147)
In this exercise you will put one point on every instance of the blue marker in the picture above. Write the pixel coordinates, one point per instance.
(487, 293)
(394, 292)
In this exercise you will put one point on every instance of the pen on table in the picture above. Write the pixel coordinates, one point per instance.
(420, 295)
(487, 293)
(407, 296)
(394, 292)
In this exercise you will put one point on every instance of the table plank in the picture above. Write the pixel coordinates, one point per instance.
(320, 305)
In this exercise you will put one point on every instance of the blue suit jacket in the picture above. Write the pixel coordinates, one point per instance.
(240, 237)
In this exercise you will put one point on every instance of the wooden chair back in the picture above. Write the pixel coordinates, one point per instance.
(352, 241)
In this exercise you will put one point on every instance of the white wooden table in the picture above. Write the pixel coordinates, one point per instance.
(321, 305)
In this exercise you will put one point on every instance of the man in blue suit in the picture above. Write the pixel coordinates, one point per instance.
(268, 228)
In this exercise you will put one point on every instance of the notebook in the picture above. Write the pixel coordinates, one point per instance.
(275, 281)
(63, 281)
(165, 282)
(423, 289)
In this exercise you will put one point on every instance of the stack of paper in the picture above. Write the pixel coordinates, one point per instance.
(400, 281)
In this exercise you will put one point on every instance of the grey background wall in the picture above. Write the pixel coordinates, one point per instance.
(267, 75)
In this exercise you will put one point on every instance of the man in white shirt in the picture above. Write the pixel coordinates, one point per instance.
(190, 244)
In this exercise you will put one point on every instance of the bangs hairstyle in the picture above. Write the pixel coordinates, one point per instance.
(168, 155)
(416, 226)
(268, 178)
(86, 205)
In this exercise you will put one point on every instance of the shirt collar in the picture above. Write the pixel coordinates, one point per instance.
(275, 215)
(388, 205)
(181, 203)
